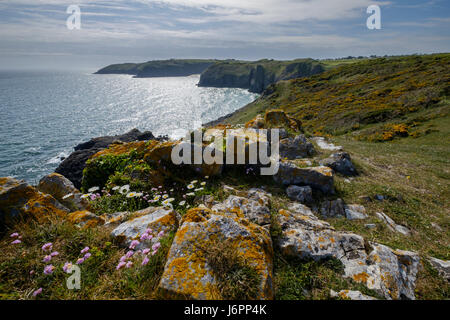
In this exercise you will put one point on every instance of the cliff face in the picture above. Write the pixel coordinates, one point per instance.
(257, 76)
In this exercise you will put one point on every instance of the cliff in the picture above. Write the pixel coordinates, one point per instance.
(159, 68)
(256, 76)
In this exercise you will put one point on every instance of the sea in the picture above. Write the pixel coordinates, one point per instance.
(43, 115)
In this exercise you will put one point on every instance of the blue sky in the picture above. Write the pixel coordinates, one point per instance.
(33, 33)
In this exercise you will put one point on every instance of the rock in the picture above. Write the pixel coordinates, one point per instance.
(20, 200)
(296, 148)
(255, 206)
(370, 225)
(188, 273)
(333, 209)
(85, 219)
(340, 162)
(443, 267)
(351, 295)
(300, 194)
(391, 273)
(379, 197)
(320, 178)
(324, 145)
(277, 118)
(156, 218)
(256, 123)
(72, 167)
(392, 225)
(63, 190)
(355, 212)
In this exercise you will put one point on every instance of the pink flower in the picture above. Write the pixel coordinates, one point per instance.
(129, 264)
(80, 261)
(31, 272)
(54, 253)
(129, 254)
(86, 249)
(47, 258)
(16, 242)
(146, 251)
(14, 235)
(154, 252)
(120, 265)
(87, 256)
(67, 266)
(145, 261)
(47, 246)
(123, 258)
(144, 237)
(133, 244)
(38, 291)
(161, 234)
(156, 246)
(49, 269)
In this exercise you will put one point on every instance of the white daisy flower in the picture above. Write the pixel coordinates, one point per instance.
(190, 194)
(131, 195)
(203, 183)
(182, 203)
(165, 196)
(206, 177)
(198, 189)
(84, 196)
(190, 186)
(170, 199)
(139, 194)
(194, 181)
(156, 198)
(93, 189)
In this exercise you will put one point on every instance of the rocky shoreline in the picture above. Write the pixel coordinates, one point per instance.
(248, 221)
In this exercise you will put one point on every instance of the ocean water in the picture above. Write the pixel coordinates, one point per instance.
(43, 115)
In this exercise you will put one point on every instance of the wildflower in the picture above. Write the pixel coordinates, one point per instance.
(123, 258)
(86, 249)
(120, 265)
(80, 261)
(198, 189)
(156, 246)
(131, 195)
(166, 202)
(145, 261)
(159, 187)
(182, 203)
(16, 241)
(14, 235)
(171, 190)
(190, 186)
(203, 183)
(93, 197)
(85, 196)
(129, 265)
(38, 291)
(146, 251)
(67, 266)
(115, 188)
(165, 196)
(32, 272)
(133, 244)
(124, 189)
(190, 194)
(47, 247)
(47, 258)
(161, 233)
(156, 198)
(154, 252)
(206, 177)
(138, 195)
(87, 256)
(144, 237)
(49, 269)
(129, 254)
(148, 230)
(67, 196)
(93, 189)
(54, 253)
(194, 181)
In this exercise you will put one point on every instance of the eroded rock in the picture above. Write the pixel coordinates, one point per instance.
(350, 295)
(300, 194)
(296, 148)
(333, 208)
(443, 267)
(355, 212)
(392, 225)
(340, 162)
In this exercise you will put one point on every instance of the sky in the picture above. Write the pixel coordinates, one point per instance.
(34, 34)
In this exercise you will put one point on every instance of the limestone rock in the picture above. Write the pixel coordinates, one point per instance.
(333, 208)
(255, 206)
(300, 194)
(351, 295)
(296, 148)
(392, 225)
(391, 273)
(63, 190)
(320, 178)
(443, 267)
(324, 145)
(188, 274)
(20, 200)
(340, 162)
(156, 218)
(355, 212)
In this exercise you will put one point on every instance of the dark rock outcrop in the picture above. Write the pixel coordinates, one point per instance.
(72, 167)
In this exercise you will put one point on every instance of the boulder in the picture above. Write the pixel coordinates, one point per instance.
(300, 194)
(296, 148)
(85, 219)
(63, 190)
(156, 218)
(188, 272)
(350, 295)
(355, 212)
(340, 162)
(20, 200)
(72, 167)
(256, 123)
(391, 273)
(320, 178)
(392, 225)
(255, 206)
(333, 209)
(443, 267)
